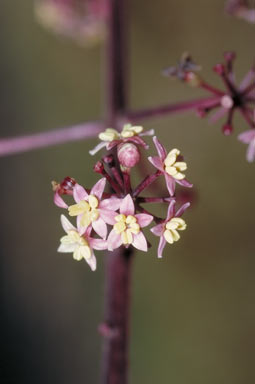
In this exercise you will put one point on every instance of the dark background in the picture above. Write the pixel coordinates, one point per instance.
(193, 311)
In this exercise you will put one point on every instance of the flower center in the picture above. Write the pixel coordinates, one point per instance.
(81, 246)
(126, 226)
(175, 168)
(130, 131)
(172, 227)
(88, 210)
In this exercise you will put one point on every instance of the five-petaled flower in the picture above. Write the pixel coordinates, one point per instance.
(91, 210)
(81, 244)
(127, 227)
(168, 229)
(171, 165)
(248, 137)
(110, 138)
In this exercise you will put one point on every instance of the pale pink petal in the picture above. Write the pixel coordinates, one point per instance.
(114, 240)
(156, 162)
(108, 216)
(66, 248)
(98, 188)
(184, 183)
(127, 206)
(248, 78)
(170, 210)
(67, 226)
(150, 132)
(218, 115)
(144, 219)
(100, 227)
(59, 201)
(160, 149)
(79, 193)
(158, 229)
(161, 246)
(113, 203)
(140, 242)
(98, 244)
(170, 183)
(92, 262)
(182, 209)
(247, 136)
(250, 154)
(97, 148)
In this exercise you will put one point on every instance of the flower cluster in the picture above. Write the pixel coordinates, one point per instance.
(81, 20)
(242, 9)
(109, 220)
(225, 102)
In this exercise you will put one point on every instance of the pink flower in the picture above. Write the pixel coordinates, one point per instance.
(91, 210)
(248, 137)
(80, 244)
(170, 166)
(110, 138)
(168, 229)
(127, 227)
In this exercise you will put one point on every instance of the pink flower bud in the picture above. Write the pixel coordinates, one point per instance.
(219, 68)
(227, 129)
(128, 155)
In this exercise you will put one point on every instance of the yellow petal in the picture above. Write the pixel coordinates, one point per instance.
(171, 171)
(86, 252)
(168, 236)
(93, 202)
(77, 255)
(175, 234)
(129, 236)
(170, 160)
(124, 238)
(86, 219)
(175, 152)
(77, 209)
(179, 176)
(171, 225)
(131, 219)
(94, 214)
(109, 134)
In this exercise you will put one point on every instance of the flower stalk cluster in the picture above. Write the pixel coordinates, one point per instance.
(223, 102)
(109, 220)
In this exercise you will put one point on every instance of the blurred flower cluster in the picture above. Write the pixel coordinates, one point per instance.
(109, 220)
(243, 9)
(81, 20)
(223, 102)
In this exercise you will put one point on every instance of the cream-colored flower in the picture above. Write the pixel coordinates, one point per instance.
(175, 168)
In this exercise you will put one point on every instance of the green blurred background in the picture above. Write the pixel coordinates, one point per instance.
(193, 312)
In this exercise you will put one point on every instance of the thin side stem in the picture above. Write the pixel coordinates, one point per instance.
(170, 109)
(146, 183)
(19, 144)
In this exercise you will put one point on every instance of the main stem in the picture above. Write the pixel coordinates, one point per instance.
(118, 263)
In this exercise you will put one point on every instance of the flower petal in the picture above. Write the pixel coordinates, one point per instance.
(161, 246)
(248, 78)
(140, 242)
(182, 209)
(59, 201)
(247, 136)
(98, 188)
(79, 193)
(170, 210)
(170, 183)
(66, 248)
(108, 216)
(92, 262)
(184, 183)
(144, 219)
(127, 206)
(156, 162)
(67, 226)
(160, 149)
(250, 154)
(114, 240)
(97, 148)
(98, 244)
(113, 203)
(100, 227)
(158, 229)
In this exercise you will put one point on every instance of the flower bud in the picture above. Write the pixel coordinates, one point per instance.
(128, 155)
(227, 129)
(219, 68)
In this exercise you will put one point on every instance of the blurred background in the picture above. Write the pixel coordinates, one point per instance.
(193, 312)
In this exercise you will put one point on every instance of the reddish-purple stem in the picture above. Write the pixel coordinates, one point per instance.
(146, 183)
(12, 145)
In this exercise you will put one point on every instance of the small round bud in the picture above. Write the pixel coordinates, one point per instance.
(227, 129)
(99, 167)
(219, 68)
(68, 183)
(192, 79)
(227, 102)
(128, 155)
